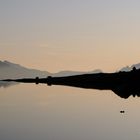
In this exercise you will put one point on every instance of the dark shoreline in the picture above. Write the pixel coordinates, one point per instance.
(123, 84)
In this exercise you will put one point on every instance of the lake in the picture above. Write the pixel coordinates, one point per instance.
(41, 112)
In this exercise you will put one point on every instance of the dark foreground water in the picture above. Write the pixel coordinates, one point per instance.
(40, 112)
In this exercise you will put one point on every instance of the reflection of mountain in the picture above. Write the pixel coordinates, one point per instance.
(11, 70)
(7, 84)
(123, 84)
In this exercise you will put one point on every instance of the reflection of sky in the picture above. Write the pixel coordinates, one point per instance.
(35, 112)
(91, 33)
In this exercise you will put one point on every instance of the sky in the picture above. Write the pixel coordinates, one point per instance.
(80, 35)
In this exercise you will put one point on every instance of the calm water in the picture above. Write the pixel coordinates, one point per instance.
(40, 112)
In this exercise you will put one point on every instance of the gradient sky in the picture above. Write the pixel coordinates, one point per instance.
(80, 35)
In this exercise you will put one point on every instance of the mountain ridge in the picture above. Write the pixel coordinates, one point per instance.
(129, 68)
(12, 70)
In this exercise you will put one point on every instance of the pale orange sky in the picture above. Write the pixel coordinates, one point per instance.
(70, 35)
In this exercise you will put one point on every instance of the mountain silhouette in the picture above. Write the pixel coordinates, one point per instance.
(9, 70)
(12, 70)
(129, 68)
(124, 84)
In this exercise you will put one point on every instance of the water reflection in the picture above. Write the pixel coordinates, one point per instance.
(4, 84)
(121, 84)
(40, 112)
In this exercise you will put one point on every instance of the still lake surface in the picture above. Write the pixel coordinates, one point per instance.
(41, 112)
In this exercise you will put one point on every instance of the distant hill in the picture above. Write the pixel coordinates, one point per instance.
(129, 68)
(12, 70)
(9, 70)
(68, 73)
